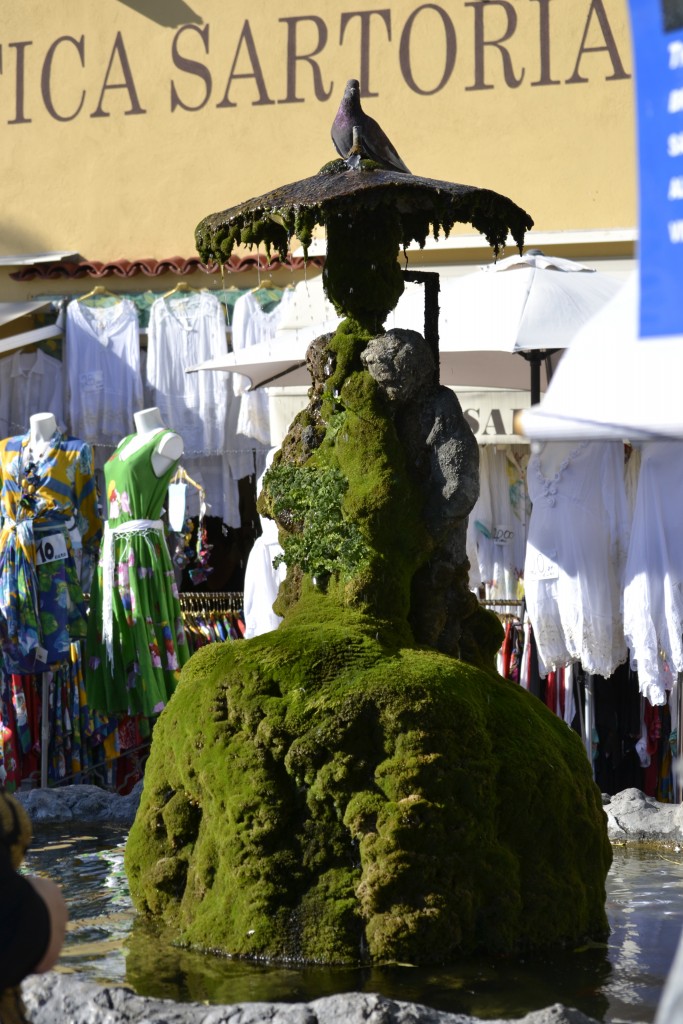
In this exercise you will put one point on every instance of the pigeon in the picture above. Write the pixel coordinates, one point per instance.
(369, 138)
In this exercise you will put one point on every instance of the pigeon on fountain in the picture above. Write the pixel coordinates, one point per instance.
(369, 140)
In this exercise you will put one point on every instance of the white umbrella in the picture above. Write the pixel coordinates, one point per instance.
(272, 362)
(530, 305)
(611, 384)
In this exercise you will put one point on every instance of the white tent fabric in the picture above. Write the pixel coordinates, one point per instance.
(611, 384)
(521, 304)
(14, 310)
(29, 338)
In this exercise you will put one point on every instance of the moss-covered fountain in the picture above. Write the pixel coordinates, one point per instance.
(360, 785)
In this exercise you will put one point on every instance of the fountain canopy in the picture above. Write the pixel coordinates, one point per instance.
(418, 205)
(369, 213)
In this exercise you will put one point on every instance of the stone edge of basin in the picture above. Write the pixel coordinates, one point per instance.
(59, 999)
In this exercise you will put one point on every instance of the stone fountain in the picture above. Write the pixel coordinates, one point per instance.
(360, 785)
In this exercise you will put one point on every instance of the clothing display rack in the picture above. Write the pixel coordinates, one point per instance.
(212, 617)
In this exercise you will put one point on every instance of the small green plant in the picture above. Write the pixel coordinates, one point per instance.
(308, 504)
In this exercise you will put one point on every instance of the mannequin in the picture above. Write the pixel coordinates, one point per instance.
(42, 426)
(136, 642)
(48, 497)
(168, 450)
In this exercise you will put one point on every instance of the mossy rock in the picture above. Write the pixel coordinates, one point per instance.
(325, 793)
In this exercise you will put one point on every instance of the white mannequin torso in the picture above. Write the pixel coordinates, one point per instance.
(169, 448)
(42, 426)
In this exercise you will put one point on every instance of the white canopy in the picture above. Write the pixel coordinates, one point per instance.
(14, 310)
(611, 384)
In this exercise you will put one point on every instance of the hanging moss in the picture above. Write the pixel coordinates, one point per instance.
(410, 207)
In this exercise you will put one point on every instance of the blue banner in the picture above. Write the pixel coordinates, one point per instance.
(657, 34)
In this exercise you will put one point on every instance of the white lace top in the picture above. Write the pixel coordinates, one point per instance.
(252, 325)
(185, 329)
(653, 590)
(577, 542)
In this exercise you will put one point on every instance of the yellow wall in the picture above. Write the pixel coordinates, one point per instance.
(93, 157)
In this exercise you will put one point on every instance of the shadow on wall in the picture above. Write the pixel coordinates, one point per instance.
(169, 13)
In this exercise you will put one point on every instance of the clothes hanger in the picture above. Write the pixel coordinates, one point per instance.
(99, 291)
(182, 286)
(182, 476)
(266, 284)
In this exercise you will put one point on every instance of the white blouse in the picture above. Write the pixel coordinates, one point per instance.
(102, 357)
(184, 329)
(576, 549)
(653, 590)
(252, 325)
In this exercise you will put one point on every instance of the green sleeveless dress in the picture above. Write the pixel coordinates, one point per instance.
(136, 642)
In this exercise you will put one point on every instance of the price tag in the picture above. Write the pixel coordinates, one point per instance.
(503, 534)
(51, 549)
(539, 567)
(92, 380)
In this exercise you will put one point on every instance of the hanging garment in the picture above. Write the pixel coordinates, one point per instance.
(480, 525)
(103, 370)
(498, 523)
(261, 585)
(187, 328)
(29, 381)
(261, 579)
(222, 492)
(577, 542)
(44, 503)
(252, 325)
(653, 581)
(136, 641)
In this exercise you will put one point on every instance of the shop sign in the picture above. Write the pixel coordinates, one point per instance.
(290, 59)
(657, 31)
(490, 414)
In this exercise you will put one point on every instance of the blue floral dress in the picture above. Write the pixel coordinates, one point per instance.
(136, 642)
(49, 508)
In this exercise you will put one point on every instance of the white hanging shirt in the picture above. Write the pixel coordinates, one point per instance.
(576, 549)
(30, 382)
(185, 329)
(103, 370)
(251, 325)
(261, 580)
(498, 522)
(653, 588)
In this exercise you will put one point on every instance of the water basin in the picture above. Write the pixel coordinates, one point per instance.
(617, 982)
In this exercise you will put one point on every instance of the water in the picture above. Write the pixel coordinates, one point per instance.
(617, 982)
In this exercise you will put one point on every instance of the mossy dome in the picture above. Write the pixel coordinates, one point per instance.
(360, 785)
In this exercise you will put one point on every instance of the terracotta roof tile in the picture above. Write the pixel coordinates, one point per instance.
(179, 265)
